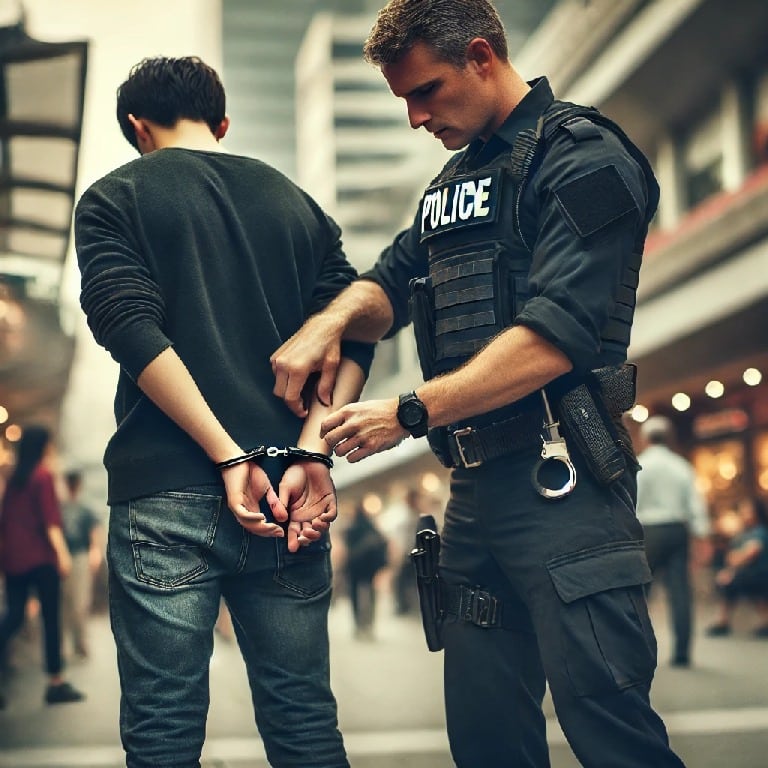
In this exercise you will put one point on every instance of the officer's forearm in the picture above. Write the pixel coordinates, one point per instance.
(363, 312)
(516, 363)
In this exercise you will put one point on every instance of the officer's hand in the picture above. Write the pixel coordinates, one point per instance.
(245, 485)
(314, 348)
(361, 429)
(308, 493)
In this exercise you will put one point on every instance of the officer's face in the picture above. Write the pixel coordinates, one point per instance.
(454, 104)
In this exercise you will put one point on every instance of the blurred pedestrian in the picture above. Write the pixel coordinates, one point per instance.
(83, 533)
(745, 570)
(34, 555)
(367, 554)
(675, 520)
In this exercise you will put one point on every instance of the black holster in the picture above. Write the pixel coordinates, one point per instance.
(425, 556)
(587, 412)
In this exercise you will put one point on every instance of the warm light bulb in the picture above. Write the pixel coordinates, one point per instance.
(681, 401)
(639, 413)
(752, 377)
(714, 389)
(372, 503)
(430, 482)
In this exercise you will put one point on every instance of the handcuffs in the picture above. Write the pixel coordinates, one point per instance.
(553, 449)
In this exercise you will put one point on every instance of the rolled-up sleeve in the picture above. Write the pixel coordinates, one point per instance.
(121, 301)
(592, 200)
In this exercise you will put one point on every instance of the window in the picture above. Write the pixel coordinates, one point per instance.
(703, 161)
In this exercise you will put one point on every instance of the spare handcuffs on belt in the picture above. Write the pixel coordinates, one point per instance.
(553, 449)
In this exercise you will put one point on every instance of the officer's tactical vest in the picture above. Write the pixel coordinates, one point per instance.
(480, 248)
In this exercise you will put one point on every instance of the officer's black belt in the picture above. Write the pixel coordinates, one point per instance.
(471, 446)
(472, 604)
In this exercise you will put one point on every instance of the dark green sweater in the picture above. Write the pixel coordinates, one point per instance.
(222, 257)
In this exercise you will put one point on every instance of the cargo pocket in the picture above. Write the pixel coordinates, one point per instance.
(606, 636)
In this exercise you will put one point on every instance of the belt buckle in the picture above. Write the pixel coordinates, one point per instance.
(457, 435)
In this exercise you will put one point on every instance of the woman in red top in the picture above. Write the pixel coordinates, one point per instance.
(33, 554)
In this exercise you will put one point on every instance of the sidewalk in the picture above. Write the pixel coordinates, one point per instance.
(390, 703)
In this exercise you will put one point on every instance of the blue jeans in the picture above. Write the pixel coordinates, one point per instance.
(172, 557)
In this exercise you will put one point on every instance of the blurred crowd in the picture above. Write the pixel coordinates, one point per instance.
(52, 557)
(51, 549)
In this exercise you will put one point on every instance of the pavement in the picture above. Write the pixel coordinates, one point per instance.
(390, 701)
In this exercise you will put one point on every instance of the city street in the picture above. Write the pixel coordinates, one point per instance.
(390, 704)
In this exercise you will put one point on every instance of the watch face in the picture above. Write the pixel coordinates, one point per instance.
(411, 413)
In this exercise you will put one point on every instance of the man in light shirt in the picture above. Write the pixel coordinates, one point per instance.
(672, 512)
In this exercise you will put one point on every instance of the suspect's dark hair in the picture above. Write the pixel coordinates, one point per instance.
(29, 452)
(447, 26)
(166, 90)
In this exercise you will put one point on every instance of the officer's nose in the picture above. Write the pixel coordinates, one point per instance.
(417, 117)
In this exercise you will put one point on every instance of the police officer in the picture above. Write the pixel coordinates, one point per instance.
(519, 272)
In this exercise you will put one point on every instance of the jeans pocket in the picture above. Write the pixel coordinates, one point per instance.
(307, 573)
(169, 535)
(607, 638)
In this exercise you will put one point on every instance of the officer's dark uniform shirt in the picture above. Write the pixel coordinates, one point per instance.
(575, 277)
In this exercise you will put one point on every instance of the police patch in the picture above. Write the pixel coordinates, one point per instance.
(594, 200)
(460, 202)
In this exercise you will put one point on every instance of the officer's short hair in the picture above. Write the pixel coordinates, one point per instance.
(447, 26)
(166, 90)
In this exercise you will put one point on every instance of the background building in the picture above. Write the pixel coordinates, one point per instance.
(688, 80)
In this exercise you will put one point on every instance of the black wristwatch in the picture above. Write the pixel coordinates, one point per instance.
(412, 414)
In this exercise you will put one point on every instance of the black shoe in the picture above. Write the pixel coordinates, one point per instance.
(63, 693)
(718, 630)
(761, 631)
(680, 661)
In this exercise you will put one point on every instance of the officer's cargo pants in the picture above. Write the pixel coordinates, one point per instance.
(570, 574)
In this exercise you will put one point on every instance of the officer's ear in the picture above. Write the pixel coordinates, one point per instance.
(480, 54)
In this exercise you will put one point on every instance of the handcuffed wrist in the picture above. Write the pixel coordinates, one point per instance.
(290, 452)
(252, 454)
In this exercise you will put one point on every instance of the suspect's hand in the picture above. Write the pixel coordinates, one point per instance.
(362, 429)
(245, 485)
(314, 348)
(308, 493)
